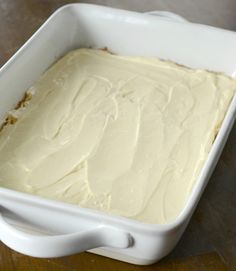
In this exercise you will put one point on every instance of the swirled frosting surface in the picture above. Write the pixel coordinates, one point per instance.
(125, 135)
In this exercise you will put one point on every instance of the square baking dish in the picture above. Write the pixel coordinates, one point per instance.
(47, 228)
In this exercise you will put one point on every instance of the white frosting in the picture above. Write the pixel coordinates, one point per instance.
(126, 135)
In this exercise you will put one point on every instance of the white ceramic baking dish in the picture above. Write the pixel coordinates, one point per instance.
(46, 228)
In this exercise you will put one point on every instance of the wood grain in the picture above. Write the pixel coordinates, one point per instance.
(13, 261)
(209, 242)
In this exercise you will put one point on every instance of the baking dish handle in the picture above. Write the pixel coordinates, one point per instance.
(50, 246)
(167, 16)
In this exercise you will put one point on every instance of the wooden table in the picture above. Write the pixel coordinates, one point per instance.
(209, 242)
